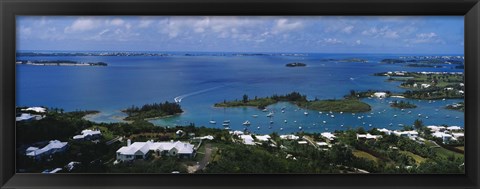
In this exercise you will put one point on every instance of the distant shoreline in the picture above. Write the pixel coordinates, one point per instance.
(61, 63)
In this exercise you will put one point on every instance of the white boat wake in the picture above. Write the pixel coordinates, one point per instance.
(179, 99)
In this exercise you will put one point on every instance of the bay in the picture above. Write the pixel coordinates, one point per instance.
(202, 81)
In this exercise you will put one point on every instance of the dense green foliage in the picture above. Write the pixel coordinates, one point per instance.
(346, 105)
(152, 110)
(55, 126)
(264, 102)
(296, 64)
(402, 104)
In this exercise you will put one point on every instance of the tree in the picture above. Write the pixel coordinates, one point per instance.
(245, 98)
(418, 124)
(352, 93)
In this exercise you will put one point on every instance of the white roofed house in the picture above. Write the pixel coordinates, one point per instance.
(140, 150)
(386, 131)
(52, 147)
(434, 128)
(88, 135)
(406, 133)
(444, 136)
(380, 94)
(454, 128)
(25, 117)
(36, 109)
(329, 136)
(368, 136)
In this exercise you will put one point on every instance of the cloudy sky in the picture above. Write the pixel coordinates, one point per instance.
(321, 34)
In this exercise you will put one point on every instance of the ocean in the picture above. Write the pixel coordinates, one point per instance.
(201, 81)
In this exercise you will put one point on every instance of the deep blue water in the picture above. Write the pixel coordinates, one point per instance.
(205, 80)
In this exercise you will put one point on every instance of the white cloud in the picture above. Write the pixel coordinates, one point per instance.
(384, 32)
(103, 32)
(25, 31)
(284, 25)
(117, 22)
(330, 41)
(426, 35)
(348, 29)
(431, 38)
(358, 42)
(144, 23)
(82, 24)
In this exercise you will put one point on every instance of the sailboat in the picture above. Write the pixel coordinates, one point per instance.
(247, 123)
(270, 114)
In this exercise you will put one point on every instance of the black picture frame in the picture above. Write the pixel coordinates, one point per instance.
(11, 8)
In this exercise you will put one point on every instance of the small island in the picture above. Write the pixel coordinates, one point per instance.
(151, 111)
(402, 104)
(352, 105)
(296, 64)
(60, 63)
(458, 106)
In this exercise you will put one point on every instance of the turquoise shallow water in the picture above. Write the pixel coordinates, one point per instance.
(203, 80)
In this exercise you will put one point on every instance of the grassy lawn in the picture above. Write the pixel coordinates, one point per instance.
(461, 148)
(447, 153)
(365, 155)
(442, 151)
(107, 135)
(418, 159)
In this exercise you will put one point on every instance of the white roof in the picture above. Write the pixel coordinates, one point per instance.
(405, 132)
(55, 170)
(263, 137)
(236, 132)
(208, 137)
(302, 142)
(31, 148)
(441, 135)
(24, 116)
(384, 130)
(456, 135)
(247, 139)
(36, 109)
(54, 144)
(144, 147)
(454, 128)
(379, 94)
(328, 135)
(87, 132)
(368, 136)
(71, 165)
(322, 143)
(289, 137)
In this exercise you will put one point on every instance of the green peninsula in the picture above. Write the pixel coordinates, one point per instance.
(343, 105)
(149, 111)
